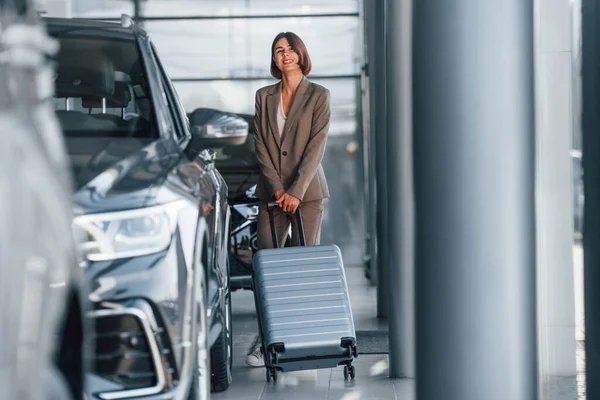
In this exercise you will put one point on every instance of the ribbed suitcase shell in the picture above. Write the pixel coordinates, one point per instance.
(303, 307)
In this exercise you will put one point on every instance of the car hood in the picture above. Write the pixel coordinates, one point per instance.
(118, 174)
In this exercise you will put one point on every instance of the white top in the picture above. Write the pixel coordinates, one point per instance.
(281, 117)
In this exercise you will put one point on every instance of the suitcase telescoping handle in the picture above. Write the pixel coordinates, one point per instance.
(270, 206)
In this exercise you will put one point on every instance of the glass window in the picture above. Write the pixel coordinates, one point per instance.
(241, 48)
(101, 8)
(238, 97)
(160, 8)
(170, 8)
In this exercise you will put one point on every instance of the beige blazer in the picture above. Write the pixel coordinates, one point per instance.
(292, 162)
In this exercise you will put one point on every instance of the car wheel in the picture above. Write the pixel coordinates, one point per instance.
(221, 354)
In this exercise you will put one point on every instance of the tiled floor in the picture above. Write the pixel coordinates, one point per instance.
(372, 370)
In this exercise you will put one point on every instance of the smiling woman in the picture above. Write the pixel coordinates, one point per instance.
(290, 133)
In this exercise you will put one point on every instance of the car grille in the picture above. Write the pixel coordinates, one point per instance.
(126, 353)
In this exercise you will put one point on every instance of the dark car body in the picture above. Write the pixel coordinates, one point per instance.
(155, 211)
(240, 169)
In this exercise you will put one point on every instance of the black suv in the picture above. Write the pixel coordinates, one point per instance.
(155, 213)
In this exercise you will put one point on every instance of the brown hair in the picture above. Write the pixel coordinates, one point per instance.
(298, 46)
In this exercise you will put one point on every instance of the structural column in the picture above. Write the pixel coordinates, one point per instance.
(474, 194)
(378, 72)
(400, 188)
(369, 151)
(375, 21)
(591, 180)
(138, 12)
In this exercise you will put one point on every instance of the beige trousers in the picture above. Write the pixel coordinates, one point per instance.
(312, 215)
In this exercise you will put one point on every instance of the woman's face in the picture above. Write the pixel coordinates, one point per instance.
(285, 57)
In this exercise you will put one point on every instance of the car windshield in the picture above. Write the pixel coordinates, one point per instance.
(100, 87)
(102, 97)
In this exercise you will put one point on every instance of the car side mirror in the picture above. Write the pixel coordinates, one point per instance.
(212, 129)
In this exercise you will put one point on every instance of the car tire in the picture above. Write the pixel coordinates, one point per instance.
(221, 353)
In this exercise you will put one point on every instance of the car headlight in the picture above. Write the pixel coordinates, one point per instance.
(131, 233)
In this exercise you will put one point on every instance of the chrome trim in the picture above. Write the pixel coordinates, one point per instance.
(241, 279)
(156, 358)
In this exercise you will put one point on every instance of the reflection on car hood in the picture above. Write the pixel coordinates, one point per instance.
(117, 174)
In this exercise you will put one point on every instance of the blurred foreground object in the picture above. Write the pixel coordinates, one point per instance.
(40, 313)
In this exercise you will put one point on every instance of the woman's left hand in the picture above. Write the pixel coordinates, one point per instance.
(288, 203)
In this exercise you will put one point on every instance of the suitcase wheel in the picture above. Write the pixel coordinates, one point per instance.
(274, 358)
(352, 352)
(349, 370)
(271, 373)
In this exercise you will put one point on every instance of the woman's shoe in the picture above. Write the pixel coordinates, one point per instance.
(256, 359)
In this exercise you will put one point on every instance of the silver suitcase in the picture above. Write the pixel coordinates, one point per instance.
(304, 314)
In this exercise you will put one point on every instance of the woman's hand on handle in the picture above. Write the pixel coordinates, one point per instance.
(288, 203)
(279, 193)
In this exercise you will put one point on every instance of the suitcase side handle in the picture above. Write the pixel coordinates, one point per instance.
(270, 206)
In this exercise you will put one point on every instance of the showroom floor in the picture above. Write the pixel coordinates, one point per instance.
(371, 381)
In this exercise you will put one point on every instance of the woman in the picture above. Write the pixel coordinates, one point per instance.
(290, 131)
